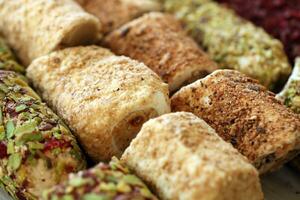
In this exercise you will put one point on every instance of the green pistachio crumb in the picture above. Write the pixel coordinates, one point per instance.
(67, 197)
(123, 187)
(35, 145)
(1, 118)
(95, 197)
(26, 137)
(10, 147)
(28, 127)
(14, 161)
(2, 133)
(3, 88)
(10, 128)
(108, 187)
(21, 107)
(77, 181)
(132, 179)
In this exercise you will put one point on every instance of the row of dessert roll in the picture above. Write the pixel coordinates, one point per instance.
(235, 43)
(56, 62)
(127, 186)
(37, 150)
(179, 156)
(195, 144)
(41, 27)
(232, 42)
(43, 159)
(83, 81)
(168, 29)
(159, 41)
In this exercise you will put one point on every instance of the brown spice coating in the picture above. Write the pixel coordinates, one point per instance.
(159, 41)
(114, 13)
(245, 114)
(103, 98)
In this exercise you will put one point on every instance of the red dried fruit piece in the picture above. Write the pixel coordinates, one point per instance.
(54, 143)
(3, 150)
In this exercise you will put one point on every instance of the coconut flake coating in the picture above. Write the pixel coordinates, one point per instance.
(103, 98)
(7, 59)
(112, 181)
(181, 157)
(159, 41)
(231, 41)
(245, 114)
(36, 27)
(37, 150)
(114, 13)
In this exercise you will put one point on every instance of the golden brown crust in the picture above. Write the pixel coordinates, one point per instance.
(98, 93)
(37, 27)
(114, 13)
(245, 114)
(159, 41)
(181, 157)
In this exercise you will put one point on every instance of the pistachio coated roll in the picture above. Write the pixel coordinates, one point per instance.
(36, 27)
(37, 150)
(103, 98)
(159, 41)
(231, 41)
(246, 114)
(7, 59)
(181, 157)
(290, 95)
(114, 13)
(105, 181)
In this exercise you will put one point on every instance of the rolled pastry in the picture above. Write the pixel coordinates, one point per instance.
(104, 98)
(159, 41)
(114, 13)
(181, 157)
(290, 94)
(7, 59)
(231, 41)
(244, 113)
(37, 27)
(37, 150)
(111, 181)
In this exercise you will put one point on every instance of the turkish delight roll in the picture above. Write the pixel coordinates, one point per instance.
(159, 41)
(233, 42)
(290, 95)
(114, 13)
(37, 27)
(111, 181)
(104, 98)
(37, 150)
(182, 157)
(246, 114)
